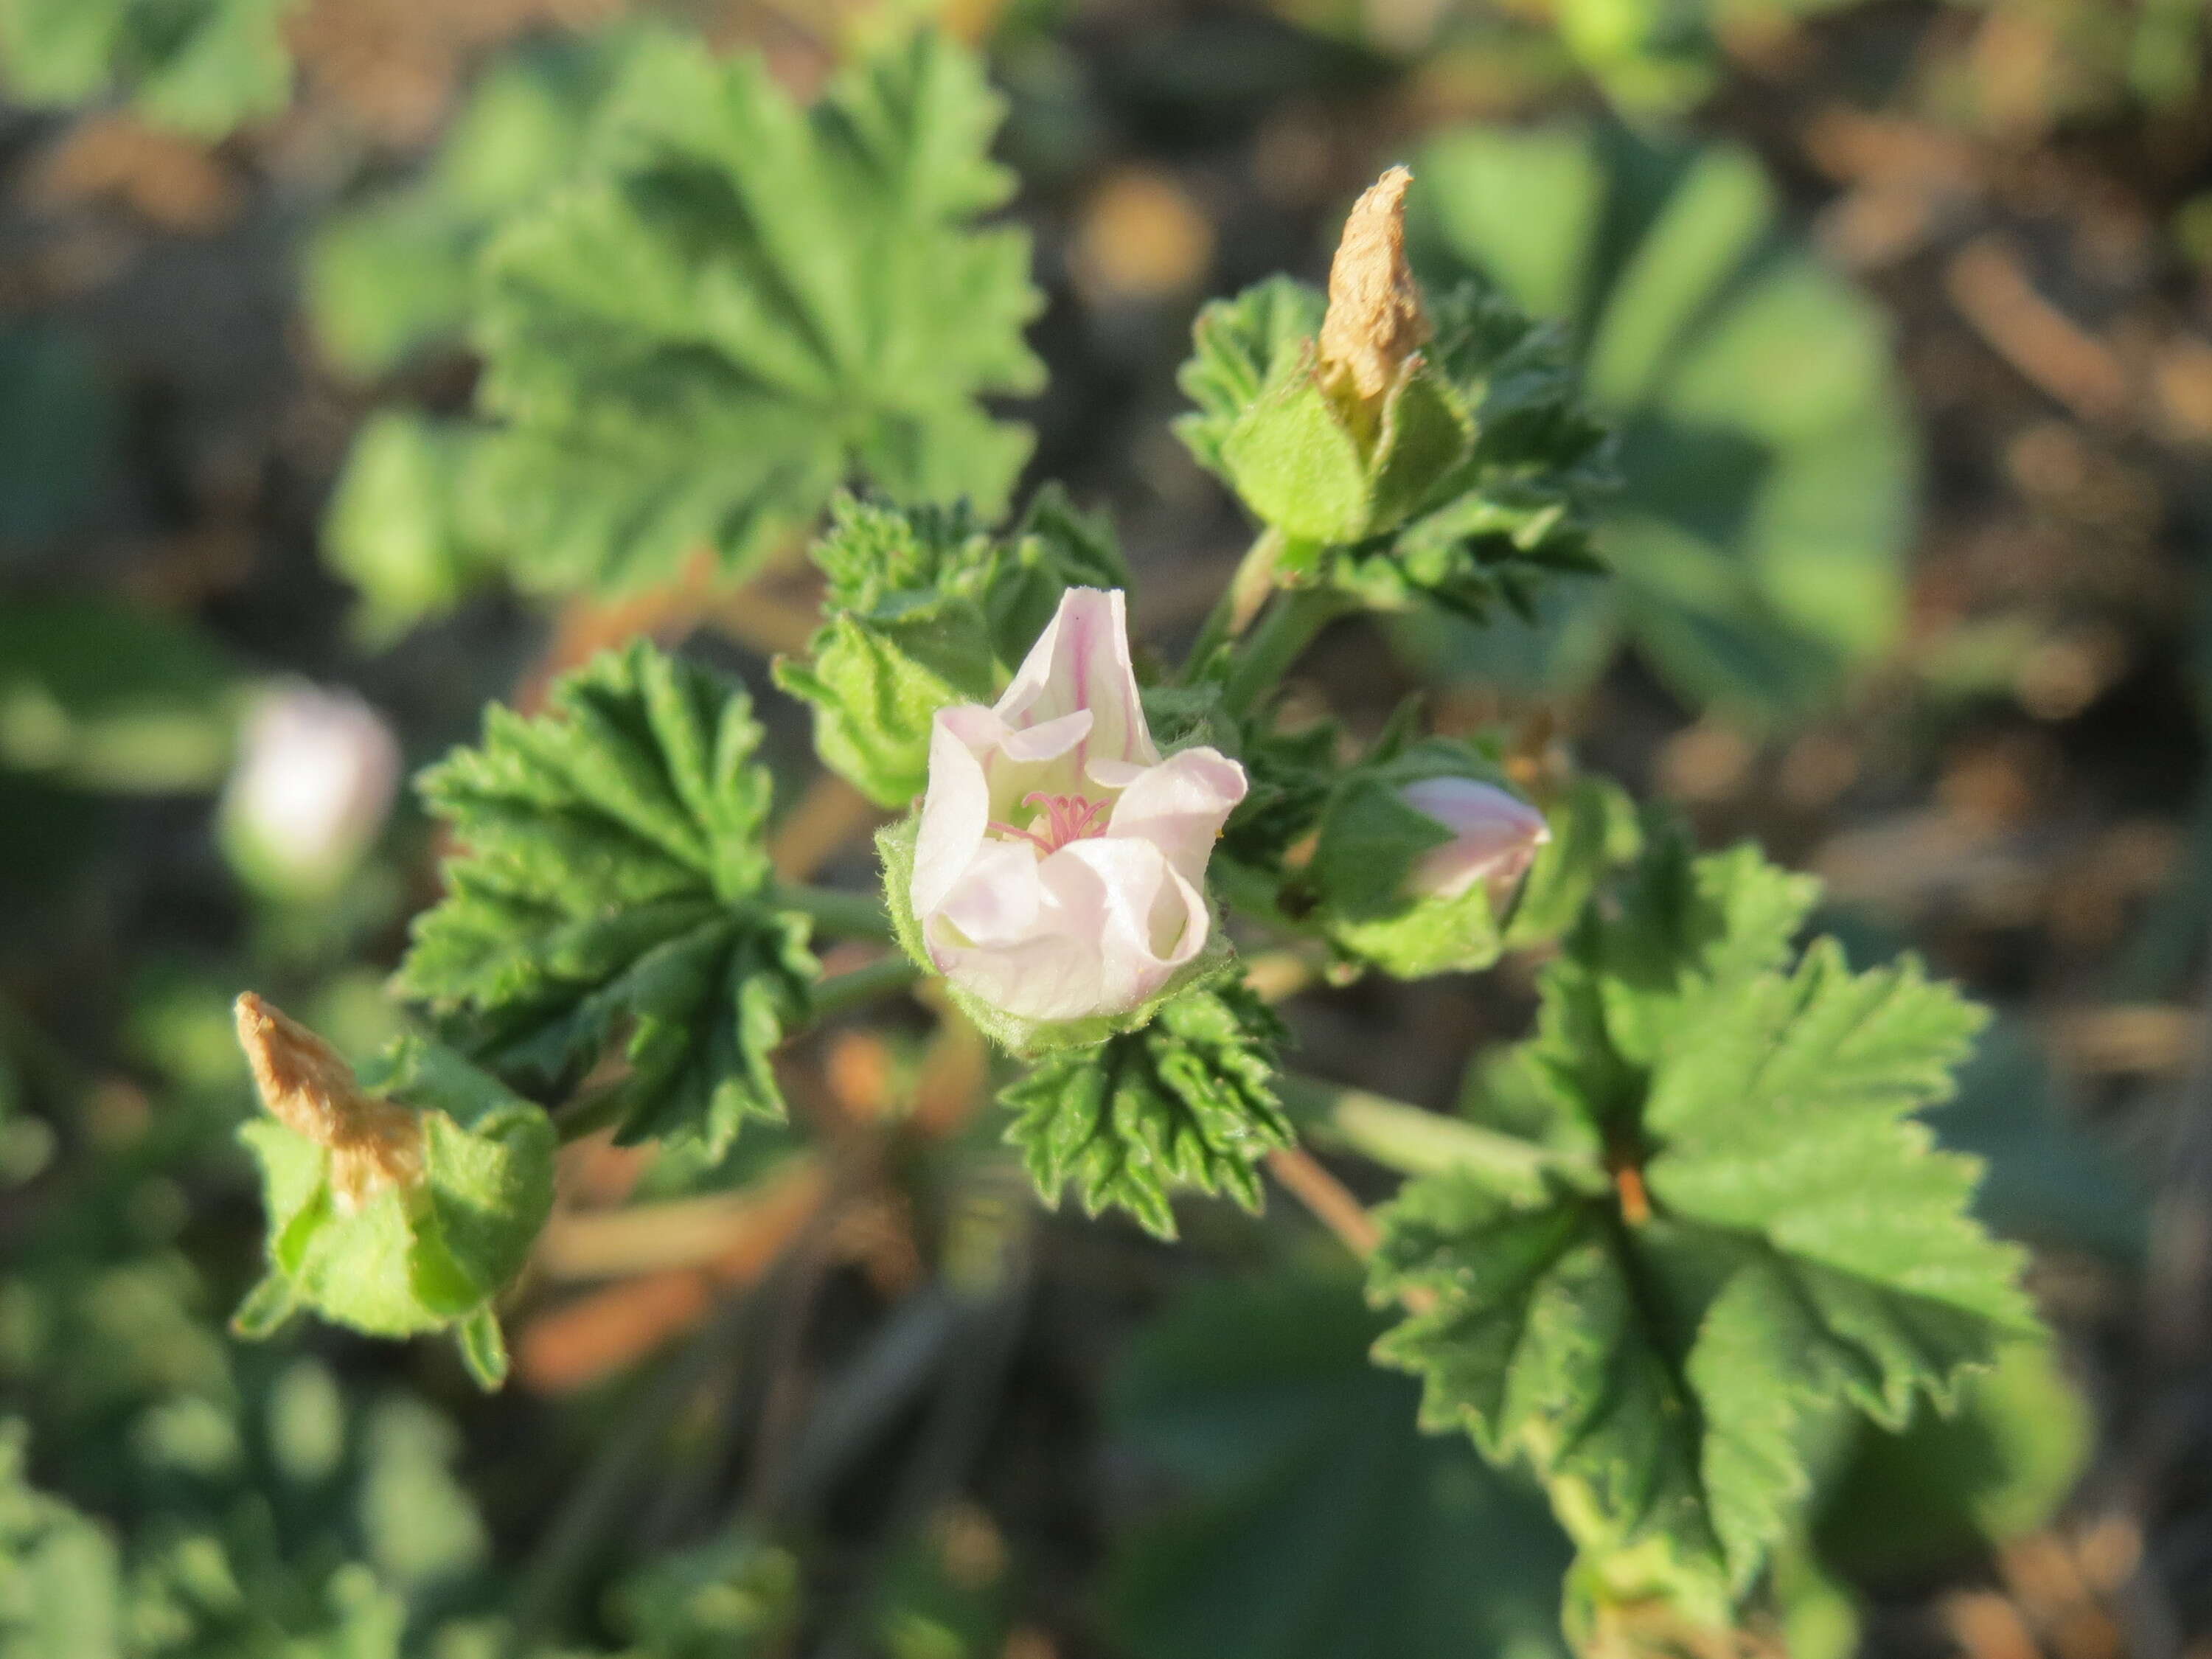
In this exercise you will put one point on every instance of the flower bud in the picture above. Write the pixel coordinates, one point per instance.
(315, 778)
(308, 1088)
(1375, 323)
(1059, 864)
(1495, 835)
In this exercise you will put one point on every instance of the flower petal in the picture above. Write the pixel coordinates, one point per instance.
(1082, 661)
(1153, 919)
(998, 897)
(956, 811)
(1180, 806)
(1495, 835)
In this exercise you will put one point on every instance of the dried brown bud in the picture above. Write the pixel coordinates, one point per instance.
(309, 1089)
(1374, 321)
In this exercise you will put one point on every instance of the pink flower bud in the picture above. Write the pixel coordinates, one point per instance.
(1060, 871)
(1495, 836)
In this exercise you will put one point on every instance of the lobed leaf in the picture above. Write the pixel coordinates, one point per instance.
(1188, 1101)
(741, 304)
(1779, 1237)
(613, 890)
(925, 610)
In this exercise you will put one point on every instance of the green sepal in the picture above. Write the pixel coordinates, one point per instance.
(421, 1256)
(1188, 1101)
(1321, 470)
(875, 688)
(484, 1350)
(1295, 462)
(615, 887)
(1474, 479)
(927, 609)
(1791, 1244)
(267, 1308)
(1028, 1039)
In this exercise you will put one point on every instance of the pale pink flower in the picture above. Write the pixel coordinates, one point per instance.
(1059, 871)
(1495, 835)
(316, 773)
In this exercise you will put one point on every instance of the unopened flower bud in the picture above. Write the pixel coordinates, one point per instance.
(1375, 322)
(1495, 835)
(308, 1088)
(316, 774)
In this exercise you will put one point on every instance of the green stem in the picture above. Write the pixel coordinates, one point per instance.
(588, 1114)
(840, 992)
(1240, 601)
(836, 913)
(1290, 626)
(1415, 1142)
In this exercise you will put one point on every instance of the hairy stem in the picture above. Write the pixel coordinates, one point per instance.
(1240, 601)
(1301, 1174)
(834, 912)
(1416, 1142)
(1289, 627)
(840, 992)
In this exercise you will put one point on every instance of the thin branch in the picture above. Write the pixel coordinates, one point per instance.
(1300, 1174)
(836, 911)
(840, 992)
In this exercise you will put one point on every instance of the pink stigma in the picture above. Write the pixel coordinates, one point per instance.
(1064, 818)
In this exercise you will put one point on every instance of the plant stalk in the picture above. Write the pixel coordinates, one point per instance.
(1290, 626)
(836, 912)
(840, 992)
(1240, 601)
(1415, 1142)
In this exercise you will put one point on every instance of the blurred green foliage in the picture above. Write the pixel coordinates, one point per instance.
(1768, 477)
(201, 67)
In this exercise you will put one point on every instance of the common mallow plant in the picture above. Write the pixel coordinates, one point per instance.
(1660, 1246)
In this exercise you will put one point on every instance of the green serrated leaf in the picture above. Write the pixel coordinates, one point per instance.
(399, 527)
(739, 305)
(926, 611)
(614, 883)
(414, 1256)
(394, 274)
(1188, 1101)
(1782, 1238)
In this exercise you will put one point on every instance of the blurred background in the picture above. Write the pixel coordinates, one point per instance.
(1903, 312)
